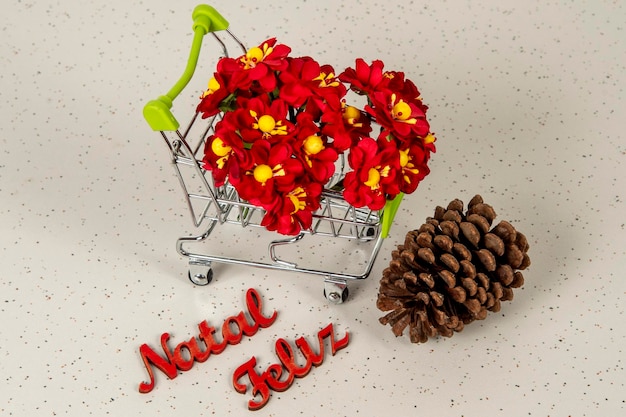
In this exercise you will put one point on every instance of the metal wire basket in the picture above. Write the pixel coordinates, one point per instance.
(214, 206)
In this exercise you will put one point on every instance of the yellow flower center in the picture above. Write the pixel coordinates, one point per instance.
(313, 145)
(351, 112)
(266, 123)
(407, 166)
(404, 158)
(252, 57)
(297, 197)
(262, 173)
(214, 85)
(255, 55)
(219, 148)
(430, 138)
(401, 111)
(373, 178)
(324, 79)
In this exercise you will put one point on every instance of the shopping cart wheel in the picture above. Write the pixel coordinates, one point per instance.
(336, 291)
(200, 274)
(337, 298)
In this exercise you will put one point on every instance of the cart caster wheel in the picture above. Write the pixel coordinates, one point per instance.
(200, 274)
(337, 296)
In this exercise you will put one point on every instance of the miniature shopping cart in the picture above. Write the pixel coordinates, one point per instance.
(218, 207)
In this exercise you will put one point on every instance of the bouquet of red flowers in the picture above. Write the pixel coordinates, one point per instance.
(285, 122)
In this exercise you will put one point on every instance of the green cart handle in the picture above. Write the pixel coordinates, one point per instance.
(158, 112)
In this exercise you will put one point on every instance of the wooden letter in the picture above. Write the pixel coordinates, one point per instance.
(253, 302)
(259, 385)
(166, 365)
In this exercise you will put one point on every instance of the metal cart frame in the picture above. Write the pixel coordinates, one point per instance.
(210, 205)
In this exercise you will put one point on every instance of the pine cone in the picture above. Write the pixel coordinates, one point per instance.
(452, 271)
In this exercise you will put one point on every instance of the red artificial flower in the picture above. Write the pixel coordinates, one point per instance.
(212, 98)
(273, 171)
(413, 167)
(347, 127)
(428, 142)
(307, 84)
(317, 155)
(328, 88)
(268, 55)
(259, 119)
(258, 66)
(393, 113)
(296, 80)
(294, 210)
(373, 180)
(285, 121)
(404, 88)
(364, 79)
(224, 153)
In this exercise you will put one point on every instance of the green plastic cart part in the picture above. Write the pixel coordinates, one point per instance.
(389, 213)
(158, 112)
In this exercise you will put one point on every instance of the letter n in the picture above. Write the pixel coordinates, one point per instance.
(165, 365)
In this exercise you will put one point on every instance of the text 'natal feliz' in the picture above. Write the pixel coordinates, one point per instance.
(277, 377)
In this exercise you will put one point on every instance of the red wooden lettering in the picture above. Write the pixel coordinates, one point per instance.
(259, 386)
(334, 345)
(227, 329)
(149, 356)
(275, 372)
(255, 307)
(274, 376)
(286, 357)
(206, 335)
(312, 357)
(188, 352)
(182, 363)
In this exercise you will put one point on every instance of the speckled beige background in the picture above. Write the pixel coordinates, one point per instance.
(527, 100)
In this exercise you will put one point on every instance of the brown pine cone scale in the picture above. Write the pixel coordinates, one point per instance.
(451, 271)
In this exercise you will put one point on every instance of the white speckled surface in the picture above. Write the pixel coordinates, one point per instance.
(528, 102)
